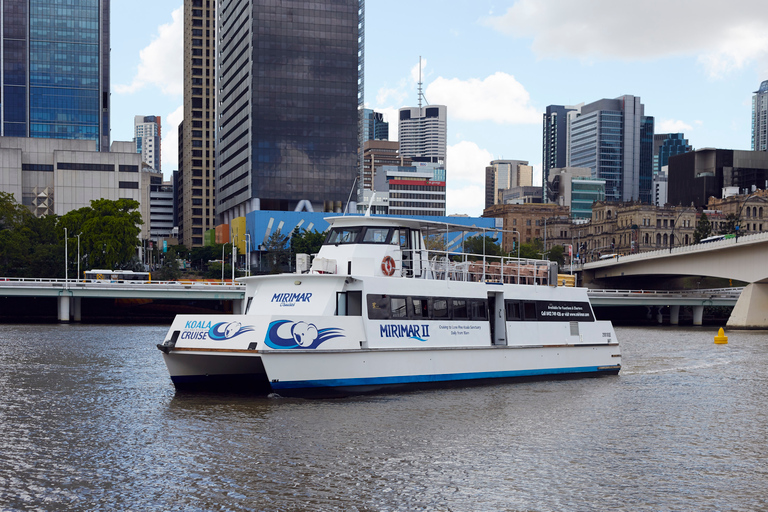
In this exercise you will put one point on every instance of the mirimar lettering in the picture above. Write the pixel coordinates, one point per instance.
(292, 297)
(405, 331)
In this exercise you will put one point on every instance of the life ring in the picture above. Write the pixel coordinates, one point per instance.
(388, 265)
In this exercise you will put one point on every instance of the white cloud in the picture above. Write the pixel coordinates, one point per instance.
(672, 126)
(161, 61)
(722, 35)
(498, 98)
(465, 201)
(465, 179)
(171, 141)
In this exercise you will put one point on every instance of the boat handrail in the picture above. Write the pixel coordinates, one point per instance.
(443, 265)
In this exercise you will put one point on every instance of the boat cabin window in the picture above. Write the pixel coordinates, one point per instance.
(363, 235)
(440, 308)
(397, 306)
(419, 308)
(460, 309)
(343, 235)
(386, 307)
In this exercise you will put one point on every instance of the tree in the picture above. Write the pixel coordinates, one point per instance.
(703, 229)
(278, 251)
(532, 250)
(479, 245)
(729, 226)
(306, 242)
(12, 214)
(557, 254)
(169, 271)
(109, 231)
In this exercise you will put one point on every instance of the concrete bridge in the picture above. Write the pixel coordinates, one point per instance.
(70, 292)
(696, 299)
(742, 259)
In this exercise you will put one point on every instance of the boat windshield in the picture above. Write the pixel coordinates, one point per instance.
(362, 235)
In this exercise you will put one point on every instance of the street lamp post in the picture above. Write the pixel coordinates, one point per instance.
(247, 254)
(222, 261)
(66, 257)
(78, 257)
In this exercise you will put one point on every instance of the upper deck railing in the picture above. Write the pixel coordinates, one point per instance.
(468, 267)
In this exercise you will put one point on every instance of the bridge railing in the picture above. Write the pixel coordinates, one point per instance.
(734, 292)
(48, 282)
(679, 250)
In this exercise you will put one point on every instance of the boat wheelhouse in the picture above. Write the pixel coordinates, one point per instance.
(377, 308)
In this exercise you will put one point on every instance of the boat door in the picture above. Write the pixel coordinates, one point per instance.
(497, 317)
(406, 250)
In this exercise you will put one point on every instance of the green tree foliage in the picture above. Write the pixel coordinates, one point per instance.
(12, 214)
(278, 251)
(170, 270)
(306, 242)
(703, 229)
(29, 246)
(200, 256)
(532, 250)
(109, 231)
(479, 245)
(729, 226)
(557, 254)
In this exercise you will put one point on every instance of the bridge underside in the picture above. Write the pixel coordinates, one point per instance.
(731, 264)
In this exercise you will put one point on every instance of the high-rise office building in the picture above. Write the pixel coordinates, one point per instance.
(760, 118)
(505, 174)
(287, 111)
(555, 141)
(614, 138)
(195, 182)
(55, 63)
(147, 134)
(374, 126)
(422, 132)
(666, 145)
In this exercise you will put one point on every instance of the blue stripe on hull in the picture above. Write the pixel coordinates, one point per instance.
(452, 377)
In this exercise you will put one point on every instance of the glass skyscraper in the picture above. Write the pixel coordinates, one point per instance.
(55, 70)
(554, 141)
(287, 110)
(614, 138)
(666, 145)
(760, 118)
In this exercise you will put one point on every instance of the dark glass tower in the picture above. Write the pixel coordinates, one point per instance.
(554, 142)
(55, 58)
(287, 110)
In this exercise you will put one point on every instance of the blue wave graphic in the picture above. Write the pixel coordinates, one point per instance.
(303, 335)
(227, 330)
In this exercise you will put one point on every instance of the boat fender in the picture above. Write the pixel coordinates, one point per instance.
(388, 265)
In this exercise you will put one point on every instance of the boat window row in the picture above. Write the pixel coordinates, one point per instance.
(394, 307)
(363, 235)
(548, 311)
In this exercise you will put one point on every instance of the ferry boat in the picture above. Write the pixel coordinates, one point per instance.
(377, 309)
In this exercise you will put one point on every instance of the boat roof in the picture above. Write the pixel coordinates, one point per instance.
(408, 222)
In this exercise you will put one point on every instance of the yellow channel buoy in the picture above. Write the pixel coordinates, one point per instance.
(721, 338)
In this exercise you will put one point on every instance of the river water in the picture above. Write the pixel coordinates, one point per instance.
(89, 420)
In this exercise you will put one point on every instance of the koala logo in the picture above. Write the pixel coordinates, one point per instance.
(304, 334)
(232, 329)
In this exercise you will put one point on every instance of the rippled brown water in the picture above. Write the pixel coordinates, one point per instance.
(90, 421)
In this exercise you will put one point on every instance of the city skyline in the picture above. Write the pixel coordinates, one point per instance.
(496, 68)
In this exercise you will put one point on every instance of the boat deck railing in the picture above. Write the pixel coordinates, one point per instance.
(443, 265)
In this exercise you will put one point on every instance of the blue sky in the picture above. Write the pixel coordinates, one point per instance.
(497, 65)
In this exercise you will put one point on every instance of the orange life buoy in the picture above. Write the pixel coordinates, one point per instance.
(388, 265)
